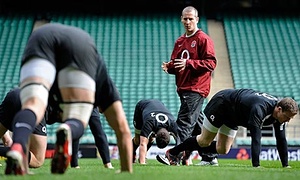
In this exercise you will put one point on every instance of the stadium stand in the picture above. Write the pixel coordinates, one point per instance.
(264, 53)
(14, 31)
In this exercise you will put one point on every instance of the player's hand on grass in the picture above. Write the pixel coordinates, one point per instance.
(142, 162)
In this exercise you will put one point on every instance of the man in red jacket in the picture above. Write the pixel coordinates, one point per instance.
(192, 62)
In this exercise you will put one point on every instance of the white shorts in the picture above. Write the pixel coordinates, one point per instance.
(222, 130)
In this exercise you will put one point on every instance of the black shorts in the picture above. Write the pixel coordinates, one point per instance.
(41, 128)
(63, 46)
(218, 112)
(10, 107)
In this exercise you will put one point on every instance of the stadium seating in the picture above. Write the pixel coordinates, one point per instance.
(14, 31)
(264, 52)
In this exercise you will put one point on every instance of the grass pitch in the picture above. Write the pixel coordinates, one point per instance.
(227, 169)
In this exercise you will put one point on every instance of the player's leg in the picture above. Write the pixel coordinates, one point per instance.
(225, 138)
(150, 143)
(100, 138)
(37, 148)
(135, 144)
(74, 157)
(172, 155)
(78, 93)
(213, 123)
(200, 142)
(189, 113)
(36, 76)
(207, 159)
(225, 135)
(190, 108)
(137, 123)
(6, 140)
(116, 117)
(206, 137)
(38, 145)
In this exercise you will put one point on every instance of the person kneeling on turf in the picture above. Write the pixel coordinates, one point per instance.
(152, 121)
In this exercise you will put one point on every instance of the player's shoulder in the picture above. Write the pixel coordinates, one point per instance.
(180, 39)
(54, 25)
(203, 36)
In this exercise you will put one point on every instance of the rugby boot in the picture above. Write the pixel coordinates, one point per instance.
(63, 150)
(168, 159)
(16, 162)
(213, 162)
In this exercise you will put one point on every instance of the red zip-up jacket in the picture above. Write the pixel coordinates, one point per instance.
(199, 51)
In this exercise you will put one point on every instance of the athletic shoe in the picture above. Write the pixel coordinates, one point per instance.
(214, 162)
(169, 159)
(63, 150)
(75, 167)
(109, 166)
(16, 163)
(162, 159)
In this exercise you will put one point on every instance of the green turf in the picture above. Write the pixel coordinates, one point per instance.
(228, 169)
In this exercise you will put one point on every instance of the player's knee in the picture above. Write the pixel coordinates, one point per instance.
(203, 142)
(36, 163)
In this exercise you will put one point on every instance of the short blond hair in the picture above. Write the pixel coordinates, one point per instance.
(190, 9)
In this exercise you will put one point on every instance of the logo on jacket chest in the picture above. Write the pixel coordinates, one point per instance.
(193, 44)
